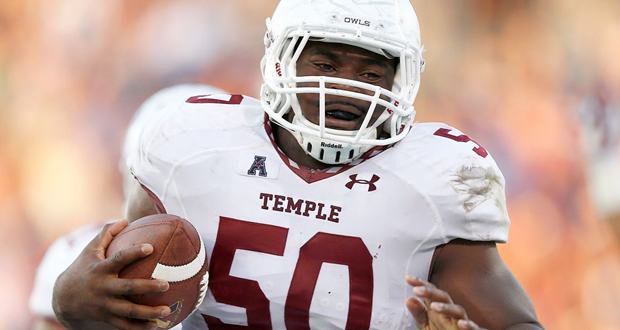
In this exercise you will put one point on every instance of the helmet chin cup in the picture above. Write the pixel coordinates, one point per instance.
(330, 151)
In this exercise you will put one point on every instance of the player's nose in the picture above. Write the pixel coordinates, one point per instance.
(349, 74)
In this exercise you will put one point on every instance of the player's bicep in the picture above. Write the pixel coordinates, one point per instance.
(476, 278)
(139, 203)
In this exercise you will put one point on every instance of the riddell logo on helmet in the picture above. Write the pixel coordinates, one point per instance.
(331, 145)
(356, 21)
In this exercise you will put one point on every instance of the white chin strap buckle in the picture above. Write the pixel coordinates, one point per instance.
(329, 152)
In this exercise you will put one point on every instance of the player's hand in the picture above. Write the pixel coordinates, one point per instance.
(435, 310)
(90, 292)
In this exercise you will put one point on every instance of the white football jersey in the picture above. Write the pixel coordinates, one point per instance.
(291, 248)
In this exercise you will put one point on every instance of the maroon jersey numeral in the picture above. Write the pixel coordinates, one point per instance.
(233, 99)
(237, 291)
(335, 249)
(444, 132)
(321, 248)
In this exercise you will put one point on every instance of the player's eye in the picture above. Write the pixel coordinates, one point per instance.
(371, 76)
(323, 66)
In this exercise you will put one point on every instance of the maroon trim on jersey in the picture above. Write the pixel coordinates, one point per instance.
(234, 99)
(160, 206)
(310, 175)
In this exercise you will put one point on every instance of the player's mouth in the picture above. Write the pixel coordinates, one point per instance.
(343, 115)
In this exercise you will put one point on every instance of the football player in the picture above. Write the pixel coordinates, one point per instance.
(322, 205)
(65, 249)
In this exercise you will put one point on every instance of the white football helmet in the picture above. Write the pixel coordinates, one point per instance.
(386, 27)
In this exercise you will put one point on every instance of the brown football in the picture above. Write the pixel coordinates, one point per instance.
(178, 257)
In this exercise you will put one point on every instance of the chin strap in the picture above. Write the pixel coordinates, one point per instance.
(329, 151)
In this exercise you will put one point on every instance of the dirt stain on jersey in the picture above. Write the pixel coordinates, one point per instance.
(478, 184)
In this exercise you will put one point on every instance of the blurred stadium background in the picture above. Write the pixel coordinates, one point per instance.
(509, 73)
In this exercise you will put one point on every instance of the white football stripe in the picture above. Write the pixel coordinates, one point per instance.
(181, 273)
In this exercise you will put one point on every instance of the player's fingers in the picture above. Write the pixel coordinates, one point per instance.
(128, 287)
(117, 226)
(135, 312)
(122, 323)
(110, 230)
(416, 281)
(431, 293)
(467, 325)
(100, 243)
(450, 310)
(418, 310)
(122, 258)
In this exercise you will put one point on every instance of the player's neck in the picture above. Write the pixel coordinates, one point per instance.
(291, 148)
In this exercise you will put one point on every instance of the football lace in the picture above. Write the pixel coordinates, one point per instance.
(203, 291)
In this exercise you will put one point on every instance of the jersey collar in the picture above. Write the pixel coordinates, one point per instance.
(311, 175)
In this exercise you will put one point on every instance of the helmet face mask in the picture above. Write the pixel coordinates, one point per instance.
(297, 24)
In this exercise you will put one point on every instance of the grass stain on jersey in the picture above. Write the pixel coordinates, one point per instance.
(477, 184)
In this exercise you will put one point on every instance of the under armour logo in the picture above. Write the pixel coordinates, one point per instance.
(258, 165)
(371, 183)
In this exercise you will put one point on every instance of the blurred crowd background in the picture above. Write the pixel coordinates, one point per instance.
(510, 74)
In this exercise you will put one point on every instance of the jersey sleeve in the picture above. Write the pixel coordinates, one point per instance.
(467, 188)
(187, 131)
